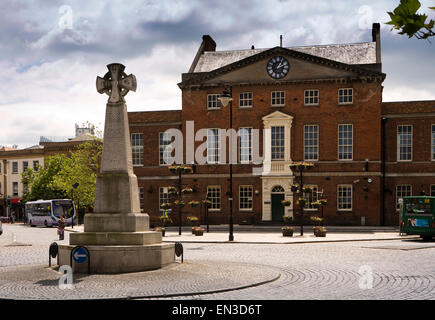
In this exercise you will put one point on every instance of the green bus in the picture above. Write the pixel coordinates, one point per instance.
(417, 216)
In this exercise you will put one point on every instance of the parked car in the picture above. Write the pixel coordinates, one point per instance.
(1, 228)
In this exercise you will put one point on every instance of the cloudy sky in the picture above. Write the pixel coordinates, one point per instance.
(51, 51)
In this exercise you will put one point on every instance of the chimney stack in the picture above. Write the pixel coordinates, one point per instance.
(208, 43)
(376, 37)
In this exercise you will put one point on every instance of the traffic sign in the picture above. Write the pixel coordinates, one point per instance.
(80, 254)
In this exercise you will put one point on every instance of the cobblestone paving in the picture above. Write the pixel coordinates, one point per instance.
(400, 269)
(39, 282)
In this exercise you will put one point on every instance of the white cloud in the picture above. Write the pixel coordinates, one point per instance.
(50, 72)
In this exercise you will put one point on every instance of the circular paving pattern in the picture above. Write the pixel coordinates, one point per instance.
(189, 278)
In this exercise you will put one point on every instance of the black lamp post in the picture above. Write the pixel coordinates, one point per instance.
(225, 99)
(206, 212)
(75, 185)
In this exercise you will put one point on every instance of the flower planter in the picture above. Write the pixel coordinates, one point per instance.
(197, 231)
(287, 232)
(319, 232)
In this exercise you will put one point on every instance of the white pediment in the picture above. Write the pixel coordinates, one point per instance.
(277, 115)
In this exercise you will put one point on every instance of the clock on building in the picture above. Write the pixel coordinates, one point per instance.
(278, 67)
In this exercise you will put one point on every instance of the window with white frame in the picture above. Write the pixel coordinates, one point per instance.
(245, 197)
(141, 197)
(137, 148)
(165, 150)
(245, 145)
(277, 143)
(345, 96)
(163, 197)
(404, 143)
(213, 146)
(245, 100)
(402, 191)
(433, 142)
(213, 101)
(311, 97)
(311, 196)
(214, 195)
(278, 98)
(432, 190)
(15, 189)
(345, 141)
(15, 167)
(311, 142)
(344, 197)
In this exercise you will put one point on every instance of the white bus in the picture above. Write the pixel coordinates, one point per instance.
(47, 212)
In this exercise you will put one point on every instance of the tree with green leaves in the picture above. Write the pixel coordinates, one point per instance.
(406, 19)
(39, 184)
(56, 180)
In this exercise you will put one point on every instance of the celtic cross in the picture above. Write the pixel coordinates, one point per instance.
(116, 83)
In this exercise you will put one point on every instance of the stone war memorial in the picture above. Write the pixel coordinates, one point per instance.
(117, 234)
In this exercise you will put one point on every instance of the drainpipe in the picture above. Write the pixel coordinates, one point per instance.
(383, 168)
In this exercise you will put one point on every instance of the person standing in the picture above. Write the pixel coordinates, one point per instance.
(61, 227)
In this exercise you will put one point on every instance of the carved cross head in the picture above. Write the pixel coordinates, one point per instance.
(116, 83)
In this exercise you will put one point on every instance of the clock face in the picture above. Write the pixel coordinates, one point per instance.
(278, 67)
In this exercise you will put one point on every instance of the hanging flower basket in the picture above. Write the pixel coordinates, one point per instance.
(193, 220)
(179, 203)
(316, 220)
(302, 202)
(194, 204)
(173, 168)
(287, 219)
(207, 203)
(307, 189)
(294, 188)
(293, 166)
(315, 204)
(187, 190)
(323, 202)
(287, 231)
(187, 170)
(286, 203)
(165, 205)
(165, 220)
(301, 165)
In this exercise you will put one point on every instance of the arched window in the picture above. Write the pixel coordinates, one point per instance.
(277, 189)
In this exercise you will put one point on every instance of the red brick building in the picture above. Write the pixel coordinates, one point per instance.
(319, 104)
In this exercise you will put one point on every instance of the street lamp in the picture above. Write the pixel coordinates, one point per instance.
(225, 99)
(75, 185)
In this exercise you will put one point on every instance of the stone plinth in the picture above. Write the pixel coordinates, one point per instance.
(121, 258)
(115, 222)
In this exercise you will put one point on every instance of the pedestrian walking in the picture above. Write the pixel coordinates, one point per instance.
(61, 227)
(12, 216)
